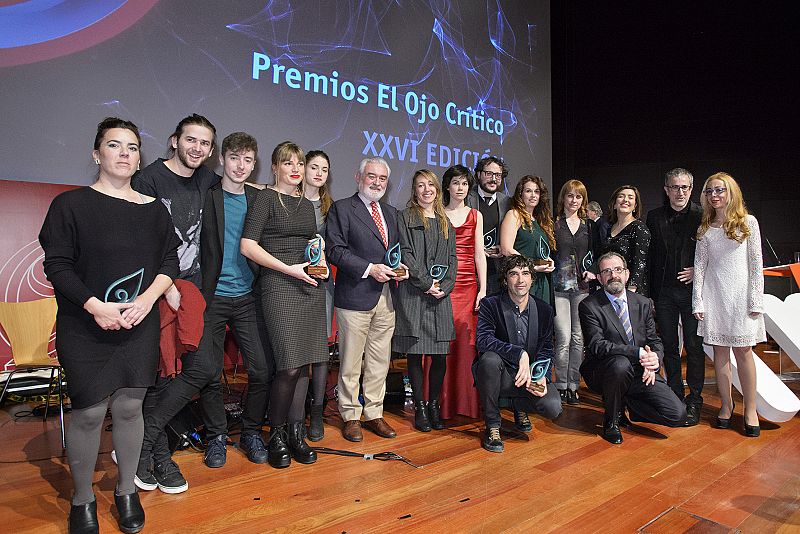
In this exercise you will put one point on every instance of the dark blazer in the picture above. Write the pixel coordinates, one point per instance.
(212, 238)
(496, 320)
(503, 202)
(657, 256)
(411, 294)
(352, 242)
(603, 227)
(604, 335)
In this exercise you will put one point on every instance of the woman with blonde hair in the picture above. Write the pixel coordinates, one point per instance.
(729, 292)
(423, 312)
(577, 245)
(527, 230)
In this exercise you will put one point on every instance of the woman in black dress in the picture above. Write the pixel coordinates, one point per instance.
(276, 232)
(629, 236)
(423, 312)
(110, 253)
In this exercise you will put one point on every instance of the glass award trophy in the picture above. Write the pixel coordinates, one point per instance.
(392, 259)
(437, 272)
(126, 289)
(544, 252)
(314, 257)
(539, 370)
(490, 242)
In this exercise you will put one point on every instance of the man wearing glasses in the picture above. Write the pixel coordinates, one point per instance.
(624, 354)
(673, 231)
(487, 197)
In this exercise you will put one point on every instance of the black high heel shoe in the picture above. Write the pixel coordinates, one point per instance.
(726, 423)
(752, 431)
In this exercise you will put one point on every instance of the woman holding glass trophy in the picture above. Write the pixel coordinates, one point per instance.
(577, 245)
(423, 312)
(280, 234)
(527, 230)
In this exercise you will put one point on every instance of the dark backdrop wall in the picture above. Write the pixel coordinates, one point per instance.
(640, 88)
(350, 77)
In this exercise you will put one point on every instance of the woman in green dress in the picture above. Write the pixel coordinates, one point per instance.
(527, 229)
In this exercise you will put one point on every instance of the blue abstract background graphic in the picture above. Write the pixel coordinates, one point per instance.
(421, 84)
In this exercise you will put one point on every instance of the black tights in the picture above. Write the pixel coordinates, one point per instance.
(319, 382)
(288, 396)
(435, 375)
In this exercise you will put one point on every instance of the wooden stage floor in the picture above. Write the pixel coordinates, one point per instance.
(560, 478)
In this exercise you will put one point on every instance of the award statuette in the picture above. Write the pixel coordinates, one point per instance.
(490, 243)
(539, 370)
(126, 289)
(544, 252)
(437, 272)
(392, 259)
(314, 257)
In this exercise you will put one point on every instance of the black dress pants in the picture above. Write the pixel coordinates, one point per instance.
(620, 384)
(494, 380)
(675, 303)
(202, 370)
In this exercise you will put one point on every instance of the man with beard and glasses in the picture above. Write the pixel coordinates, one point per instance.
(624, 354)
(515, 330)
(181, 183)
(488, 198)
(360, 231)
(673, 236)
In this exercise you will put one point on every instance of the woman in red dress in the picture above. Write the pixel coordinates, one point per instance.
(459, 396)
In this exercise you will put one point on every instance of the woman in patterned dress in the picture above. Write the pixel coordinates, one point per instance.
(728, 294)
(276, 232)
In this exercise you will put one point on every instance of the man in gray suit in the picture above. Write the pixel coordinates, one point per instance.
(488, 198)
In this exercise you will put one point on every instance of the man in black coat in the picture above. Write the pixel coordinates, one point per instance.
(514, 331)
(624, 353)
(488, 198)
(673, 236)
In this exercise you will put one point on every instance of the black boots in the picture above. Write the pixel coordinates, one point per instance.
(316, 430)
(300, 450)
(277, 450)
(131, 513)
(421, 421)
(435, 415)
(83, 519)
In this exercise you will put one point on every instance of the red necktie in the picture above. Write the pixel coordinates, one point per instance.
(376, 216)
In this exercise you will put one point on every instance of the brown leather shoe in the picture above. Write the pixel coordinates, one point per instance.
(380, 427)
(352, 430)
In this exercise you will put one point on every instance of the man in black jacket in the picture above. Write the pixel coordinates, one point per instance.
(673, 231)
(514, 331)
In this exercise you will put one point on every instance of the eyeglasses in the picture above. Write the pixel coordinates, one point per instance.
(492, 175)
(615, 270)
(683, 188)
(714, 191)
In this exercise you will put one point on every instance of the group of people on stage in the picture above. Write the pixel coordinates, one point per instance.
(511, 293)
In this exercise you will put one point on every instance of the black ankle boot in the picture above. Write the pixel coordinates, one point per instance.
(316, 430)
(83, 519)
(277, 450)
(421, 421)
(131, 513)
(435, 415)
(298, 446)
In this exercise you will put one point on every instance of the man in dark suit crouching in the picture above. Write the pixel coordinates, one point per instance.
(624, 353)
(514, 330)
